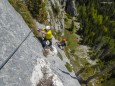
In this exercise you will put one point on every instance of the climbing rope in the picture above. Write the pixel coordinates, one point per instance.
(3, 64)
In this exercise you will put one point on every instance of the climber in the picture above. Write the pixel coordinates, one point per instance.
(62, 43)
(47, 35)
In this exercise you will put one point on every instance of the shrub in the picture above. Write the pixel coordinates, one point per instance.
(71, 40)
(56, 10)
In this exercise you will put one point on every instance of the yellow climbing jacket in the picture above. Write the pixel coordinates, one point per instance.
(49, 34)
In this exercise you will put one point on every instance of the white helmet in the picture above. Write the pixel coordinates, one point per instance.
(47, 27)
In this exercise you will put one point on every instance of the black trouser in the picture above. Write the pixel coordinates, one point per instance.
(45, 45)
(63, 44)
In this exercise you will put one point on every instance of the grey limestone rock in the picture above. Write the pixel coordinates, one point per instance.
(19, 69)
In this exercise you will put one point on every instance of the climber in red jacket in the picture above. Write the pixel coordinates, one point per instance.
(62, 43)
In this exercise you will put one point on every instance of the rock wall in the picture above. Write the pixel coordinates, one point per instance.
(13, 30)
(65, 6)
(26, 66)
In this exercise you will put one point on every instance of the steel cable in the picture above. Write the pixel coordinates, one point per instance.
(3, 64)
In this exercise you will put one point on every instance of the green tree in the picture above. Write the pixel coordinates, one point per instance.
(37, 9)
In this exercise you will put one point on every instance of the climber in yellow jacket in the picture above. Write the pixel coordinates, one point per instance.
(47, 36)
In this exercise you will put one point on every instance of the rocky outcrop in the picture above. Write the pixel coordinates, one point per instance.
(27, 66)
(61, 7)
(69, 6)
